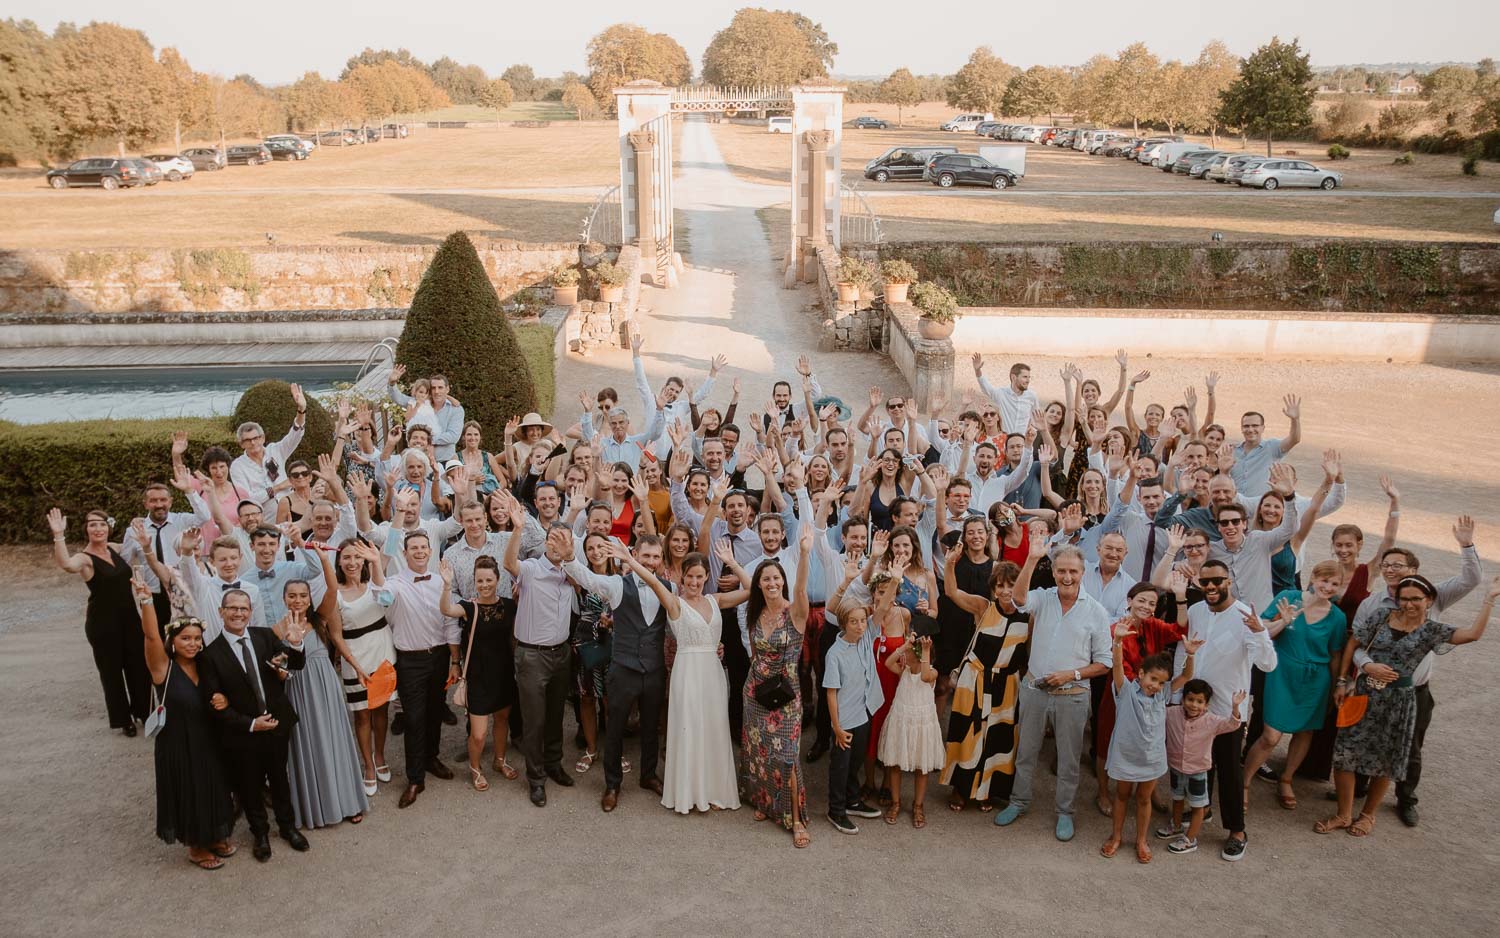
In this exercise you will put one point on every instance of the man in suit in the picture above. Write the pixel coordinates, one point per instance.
(241, 675)
(637, 668)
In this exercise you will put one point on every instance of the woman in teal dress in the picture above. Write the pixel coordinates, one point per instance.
(1309, 633)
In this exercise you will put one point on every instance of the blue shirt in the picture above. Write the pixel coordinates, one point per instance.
(272, 607)
(1252, 467)
(850, 669)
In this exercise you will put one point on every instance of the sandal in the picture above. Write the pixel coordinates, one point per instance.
(760, 815)
(504, 768)
(624, 766)
(918, 816)
(1285, 796)
(986, 806)
(223, 850)
(1142, 853)
(1362, 825)
(480, 782)
(209, 862)
(1108, 848)
(956, 802)
(383, 773)
(355, 818)
(1328, 825)
(371, 789)
(585, 762)
(800, 837)
(893, 812)
(885, 795)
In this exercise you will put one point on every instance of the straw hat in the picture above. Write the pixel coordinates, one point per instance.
(534, 419)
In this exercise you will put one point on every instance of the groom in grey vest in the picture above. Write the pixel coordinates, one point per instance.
(637, 667)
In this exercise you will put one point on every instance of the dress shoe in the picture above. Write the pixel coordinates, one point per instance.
(652, 785)
(1408, 814)
(449, 717)
(294, 839)
(539, 794)
(436, 767)
(129, 730)
(409, 796)
(262, 850)
(560, 777)
(610, 799)
(398, 723)
(818, 750)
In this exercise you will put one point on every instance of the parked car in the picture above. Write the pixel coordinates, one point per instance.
(151, 174)
(987, 128)
(1199, 165)
(1047, 135)
(903, 163)
(1274, 174)
(284, 150)
(372, 134)
(1151, 154)
(105, 172)
(354, 135)
(778, 125)
(395, 131)
(252, 154)
(870, 123)
(336, 138)
(208, 159)
(302, 143)
(963, 169)
(175, 168)
(1184, 163)
(1117, 146)
(1099, 142)
(1235, 168)
(964, 123)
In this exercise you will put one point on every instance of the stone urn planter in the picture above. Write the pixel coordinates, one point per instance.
(895, 291)
(898, 276)
(848, 292)
(932, 329)
(611, 280)
(939, 309)
(610, 294)
(565, 296)
(852, 277)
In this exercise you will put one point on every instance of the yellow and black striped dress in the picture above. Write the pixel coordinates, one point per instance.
(981, 738)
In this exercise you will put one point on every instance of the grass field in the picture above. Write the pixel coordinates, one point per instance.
(520, 111)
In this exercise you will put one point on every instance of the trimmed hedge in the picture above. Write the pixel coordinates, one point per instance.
(81, 465)
(269, 403)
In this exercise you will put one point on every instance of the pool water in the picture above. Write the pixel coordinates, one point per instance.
(90, 394)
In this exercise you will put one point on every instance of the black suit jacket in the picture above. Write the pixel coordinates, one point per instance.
(220, 672)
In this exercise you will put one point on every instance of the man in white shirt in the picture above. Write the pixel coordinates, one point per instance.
(990, 485)
(1070, 643)
(1017, 402)
(208, 591)
(673, 405)
(1247, 554)
(260, 470)
(163, 526)
(390, 536)
(1234, 640)
(449, 413)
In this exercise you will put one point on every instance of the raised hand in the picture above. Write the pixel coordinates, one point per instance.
(1254, 622)
(327, 470)
(1071, 518)
(716, 365)
(1141, 377)
(1122, 359)
(1281, 479)
(514, 424)
(1287, 610)
(344, 407)
(724, 551)
(1333, 464)
(297, 397)
(636, 341)
(877, 397)
(1463, 531)
(1226, 458)
(735, 387)
(639, 488)
(955, 553)
(878, 543)
(1191, 645)
(1179, 584)
(1292, 406)
(978, 365)
(1389, 488)
(805, 538)
(395, 375)
(359, 486)
(1211, 381)
(804, 367)
(182, 479)
(1123, 628)
(188, 542)
(138, 531)
(1038, 543)
(1176, 537)
(291, 532)
(585, 403)
(392, 476)
(179, 443)
(1190, 397)
(57, 522)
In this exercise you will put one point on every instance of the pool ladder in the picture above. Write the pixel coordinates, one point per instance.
(372, 374)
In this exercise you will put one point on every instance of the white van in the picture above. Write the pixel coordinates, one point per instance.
(778, 125)
(965, 123)
(1171, 151)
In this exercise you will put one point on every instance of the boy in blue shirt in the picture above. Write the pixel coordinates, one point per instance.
(854, 693)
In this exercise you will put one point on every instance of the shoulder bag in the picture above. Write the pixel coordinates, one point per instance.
(461, 689)
(156, 720)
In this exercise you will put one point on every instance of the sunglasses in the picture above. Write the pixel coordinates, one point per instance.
(1213, 580)
(1229, 522)
(300, 474)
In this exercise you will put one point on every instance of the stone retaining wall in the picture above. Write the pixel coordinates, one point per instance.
(271, 277)
(927, 364)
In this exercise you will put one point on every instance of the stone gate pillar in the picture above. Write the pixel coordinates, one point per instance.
(642, 145)
(816, 109)
(637, 105)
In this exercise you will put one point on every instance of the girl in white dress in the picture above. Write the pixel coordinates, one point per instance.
(912, 738)
(420, 411)
(699, 771)
(367, 656)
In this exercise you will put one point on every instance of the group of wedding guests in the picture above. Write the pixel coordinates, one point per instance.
(928, 593)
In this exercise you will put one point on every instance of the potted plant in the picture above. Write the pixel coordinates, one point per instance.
(852, 274)
(939, 308)
(527, 303)
(565, 286)
(611, 279)
(898, 276)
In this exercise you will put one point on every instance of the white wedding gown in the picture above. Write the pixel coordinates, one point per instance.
(700, 763)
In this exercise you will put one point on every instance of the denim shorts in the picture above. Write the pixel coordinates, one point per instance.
(1190, 788)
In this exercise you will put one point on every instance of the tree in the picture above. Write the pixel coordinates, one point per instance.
(497, 94)
(522, 81)
(1135, 92)
(309, 101)
(388, 88)
(187, 94)
(236, 109)
(109, 84)
(824, 49)
(1214, 71)
(578, 97)
(761, 47)
(902, 89)
(1349, 114)
(980, 84)
(1398, 120)
(1093, 89)
(1272, 94)
(484, 367)
(1174, 102)
(1380, 82)
(1040, 89)
(625, 52)
(1452, 93)
(29, 127)
(462, 83)
(376, 56)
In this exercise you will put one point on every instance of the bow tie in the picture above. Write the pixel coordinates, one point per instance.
(418, 579)
(230, 586)
(265, 574)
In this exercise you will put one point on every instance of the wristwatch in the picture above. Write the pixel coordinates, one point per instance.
(1077, 675)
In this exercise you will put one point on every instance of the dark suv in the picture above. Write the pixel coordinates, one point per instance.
(207, 159)
(105, 172)
(870, 123)
(251, 155)
(963, 169)
(285, 150)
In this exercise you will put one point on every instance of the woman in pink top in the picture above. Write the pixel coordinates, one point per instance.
(211, 480)
(1191, 729)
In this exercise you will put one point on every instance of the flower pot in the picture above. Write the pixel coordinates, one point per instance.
(848, 292)
(931, 329)
(609, 294)
(895, 292)
(565, 296)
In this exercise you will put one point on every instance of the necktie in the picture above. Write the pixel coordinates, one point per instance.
(160, 556)
(266, 574)
(247, 656)
(230, 586)
(1150, 551)
(419, 579)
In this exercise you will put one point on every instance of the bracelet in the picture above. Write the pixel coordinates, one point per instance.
(1189, 654)
(1395, 514)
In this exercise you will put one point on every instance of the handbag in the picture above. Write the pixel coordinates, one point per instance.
(1352, 710)
(461, 689)
(596, 653)
(775, 692)
(156, 720)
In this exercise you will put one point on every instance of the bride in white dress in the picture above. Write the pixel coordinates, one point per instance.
(699, 771)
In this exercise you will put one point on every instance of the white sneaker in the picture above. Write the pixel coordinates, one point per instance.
(1170, 831)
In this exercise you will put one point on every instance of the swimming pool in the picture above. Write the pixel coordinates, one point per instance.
(94, 393)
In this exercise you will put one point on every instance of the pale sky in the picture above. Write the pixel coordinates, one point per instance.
(277, 40)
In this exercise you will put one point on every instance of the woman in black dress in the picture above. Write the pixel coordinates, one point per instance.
(192, 799)
(489, 662)
(111, 624)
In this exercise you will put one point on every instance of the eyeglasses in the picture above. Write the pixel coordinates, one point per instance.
(1395, 565)
(1411, 600)
(252, 437)
(1213, 580)
(1229, 522)
(1195, 547)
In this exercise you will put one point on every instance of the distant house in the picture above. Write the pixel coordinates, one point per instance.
(1407, 85)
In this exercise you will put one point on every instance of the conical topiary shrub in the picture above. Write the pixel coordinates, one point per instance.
(456, 328)
(269, 403)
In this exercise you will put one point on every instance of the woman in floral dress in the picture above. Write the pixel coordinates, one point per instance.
(772, 738)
